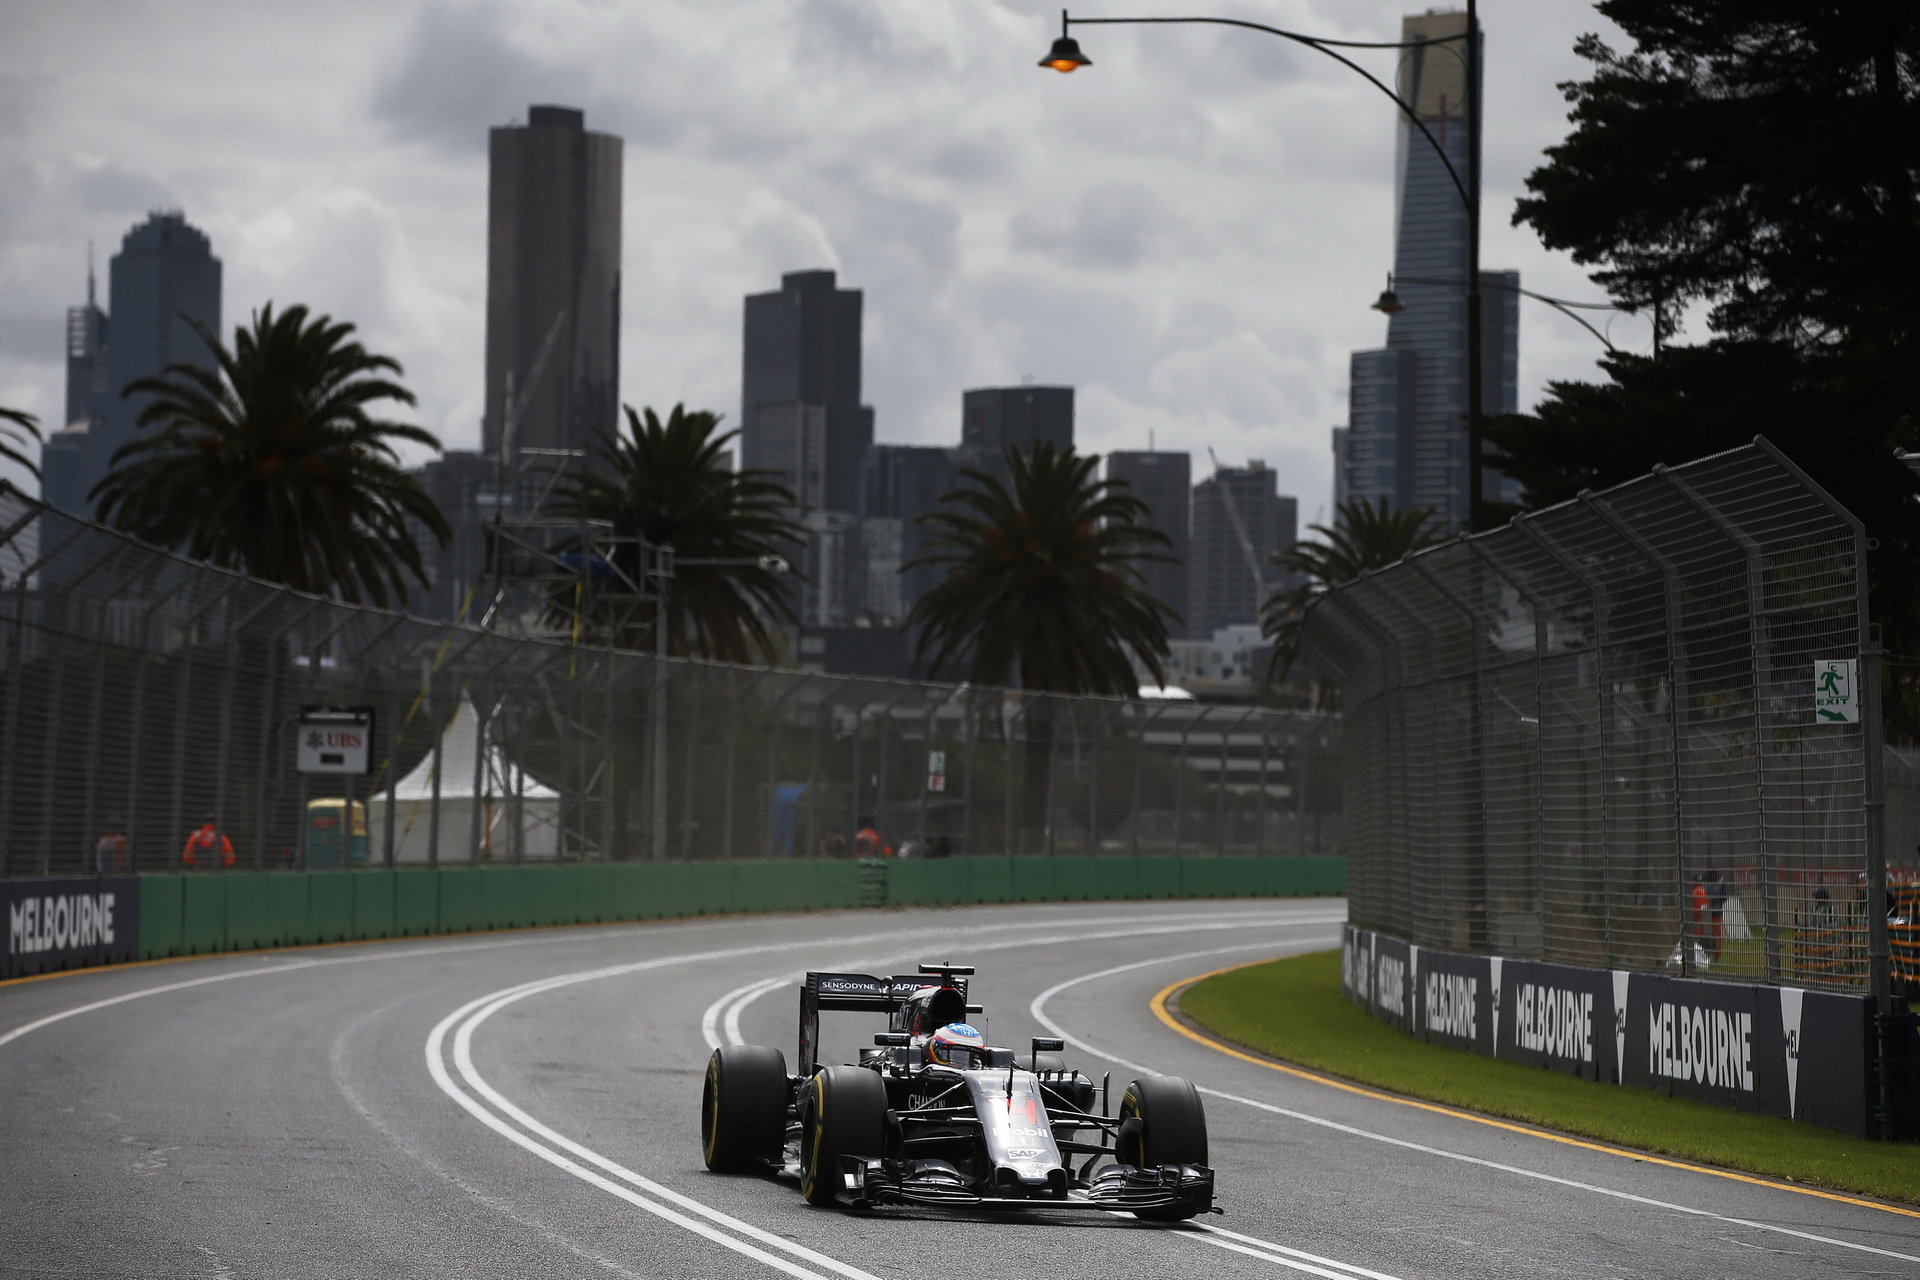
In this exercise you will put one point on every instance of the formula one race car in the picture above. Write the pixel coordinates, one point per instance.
(933, 1116)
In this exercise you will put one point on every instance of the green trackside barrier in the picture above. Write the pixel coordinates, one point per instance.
(197, 913)
(265, 909)
(372, 903)
(159, 917)
(203, 913)
(1221, 877)
(416, 901)
(627, 892)
(992, 880)
(329, 906)
(932, 882)
(1318, 875)
(461, 899)
(1158, 876)
(249, 912)
(1030, 880)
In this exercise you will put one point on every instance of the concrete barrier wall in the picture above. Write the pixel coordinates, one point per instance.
(195, 914)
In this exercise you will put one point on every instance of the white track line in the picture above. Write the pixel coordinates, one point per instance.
(643, 1192)
(1040, 1000)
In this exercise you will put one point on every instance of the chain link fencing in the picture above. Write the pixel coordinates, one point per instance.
(1638, 731)
(142, 694)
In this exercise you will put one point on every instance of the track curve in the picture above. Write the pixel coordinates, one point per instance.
(526, 1105)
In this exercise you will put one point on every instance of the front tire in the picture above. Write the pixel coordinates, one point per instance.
(1170, 1127)
(743, 1108)
(843, 1112)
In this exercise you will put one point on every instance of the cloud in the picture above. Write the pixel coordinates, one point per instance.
(456, 73)
(1111, 227)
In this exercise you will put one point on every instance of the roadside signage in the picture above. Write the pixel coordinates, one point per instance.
(1836, 693)
(936, 771)
(335, 740)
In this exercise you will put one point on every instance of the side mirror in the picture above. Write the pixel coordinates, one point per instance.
(1048, 1044)
(893, 1039)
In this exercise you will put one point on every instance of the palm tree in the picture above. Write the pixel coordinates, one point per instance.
(1364, 536)
(16, 427)
(272, 463)
(1043, 588)
(667, 484)
(1043, 584)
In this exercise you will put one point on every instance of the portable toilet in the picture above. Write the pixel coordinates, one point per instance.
(332, 839)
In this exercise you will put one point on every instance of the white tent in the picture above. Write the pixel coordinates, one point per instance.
(511, 811)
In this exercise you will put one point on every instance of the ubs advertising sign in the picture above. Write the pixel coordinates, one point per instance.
(69, 923)
(1801, 1055)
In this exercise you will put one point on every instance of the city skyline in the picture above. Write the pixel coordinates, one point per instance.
(1195, 264)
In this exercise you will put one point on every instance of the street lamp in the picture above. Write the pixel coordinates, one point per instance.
(1389, 304)
(1065, 57)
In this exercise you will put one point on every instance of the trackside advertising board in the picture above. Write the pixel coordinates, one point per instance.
(68, 922)
(1782, 1051)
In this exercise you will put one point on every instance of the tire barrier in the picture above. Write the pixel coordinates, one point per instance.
(78, 921)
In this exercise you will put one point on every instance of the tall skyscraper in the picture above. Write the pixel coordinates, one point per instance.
(1163, 481)
(993, 418)
(164, 278)
(1240, 519)
(800, 410)
(903, 482)
(63, 456)
(553, 284)
(1405, 438)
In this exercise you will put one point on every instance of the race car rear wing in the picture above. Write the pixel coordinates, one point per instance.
(866, 992)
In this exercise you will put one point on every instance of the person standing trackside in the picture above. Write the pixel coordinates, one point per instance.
(866, 843)
(206, 843)
(113, 851)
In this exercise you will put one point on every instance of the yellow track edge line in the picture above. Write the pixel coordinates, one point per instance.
(1159, 1006)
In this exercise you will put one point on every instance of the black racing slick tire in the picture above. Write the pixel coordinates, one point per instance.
(1173, 1127)
(743, 1108)
(1170, 1127)
(843, 1112)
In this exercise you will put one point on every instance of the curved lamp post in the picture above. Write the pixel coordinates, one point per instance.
(1065, 56)
(1389, 304)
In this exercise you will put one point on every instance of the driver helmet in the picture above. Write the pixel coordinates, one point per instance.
(956, 1045)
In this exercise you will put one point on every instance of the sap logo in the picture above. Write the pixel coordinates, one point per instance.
(1024, 1153)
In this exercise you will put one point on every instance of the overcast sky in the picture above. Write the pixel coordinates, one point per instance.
(1188, 233)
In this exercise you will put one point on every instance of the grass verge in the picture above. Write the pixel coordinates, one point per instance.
(1294, 1010)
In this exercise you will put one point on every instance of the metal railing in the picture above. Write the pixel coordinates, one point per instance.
(1591, 736)
(141, 693)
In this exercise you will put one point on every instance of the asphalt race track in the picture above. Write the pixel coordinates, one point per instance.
(525, 1105)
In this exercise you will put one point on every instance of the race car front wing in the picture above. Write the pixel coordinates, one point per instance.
(869, 1183)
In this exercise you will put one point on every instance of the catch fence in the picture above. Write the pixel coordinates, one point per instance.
(142, 694)
(1638, 731)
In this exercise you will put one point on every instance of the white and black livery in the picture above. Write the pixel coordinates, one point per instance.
(932, 1115)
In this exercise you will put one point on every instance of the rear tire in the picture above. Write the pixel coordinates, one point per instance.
(1172, 1129)
(843, 1112)
(743, 1108)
